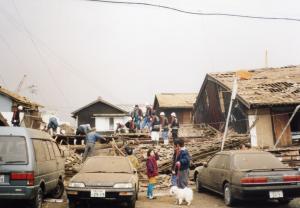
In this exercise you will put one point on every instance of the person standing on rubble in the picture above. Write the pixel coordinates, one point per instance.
(155, 128)
(137, 116)
(174, 126)
(183, 165)
(83, 129)
(91, 139)
(165, 128)
(16, 116)
(152, 172)
(52, 125)
(130, 125)
(147, 117)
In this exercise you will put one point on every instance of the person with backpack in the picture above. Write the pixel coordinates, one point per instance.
(183, 165)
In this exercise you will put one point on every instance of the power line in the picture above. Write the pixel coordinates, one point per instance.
(39, 52)
(198, 13)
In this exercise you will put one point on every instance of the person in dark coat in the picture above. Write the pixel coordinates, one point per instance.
(174, 160)
(174, 126)
(182, 165)
(16, 116)
(152, 171)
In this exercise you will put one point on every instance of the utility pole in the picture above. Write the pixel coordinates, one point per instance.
(233, 95)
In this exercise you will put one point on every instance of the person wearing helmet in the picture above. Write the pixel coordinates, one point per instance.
(155, 128)
(174, 126)
(165, 128)
(16, 116)
(134, 161)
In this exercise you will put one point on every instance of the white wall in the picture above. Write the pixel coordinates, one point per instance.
(5, 104)
(102, 123)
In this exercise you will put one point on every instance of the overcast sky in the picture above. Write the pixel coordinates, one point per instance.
(77, 50)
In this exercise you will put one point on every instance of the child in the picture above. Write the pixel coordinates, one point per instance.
(152, 171)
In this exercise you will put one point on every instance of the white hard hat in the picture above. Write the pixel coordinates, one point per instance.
(173, 114)
(146, 104)
(162, 114)
(20, 107)
(130, 119)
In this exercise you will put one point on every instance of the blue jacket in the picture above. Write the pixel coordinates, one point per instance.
(92, 137)
(184, 159)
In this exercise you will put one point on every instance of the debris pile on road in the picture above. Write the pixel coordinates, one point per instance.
(72, 163)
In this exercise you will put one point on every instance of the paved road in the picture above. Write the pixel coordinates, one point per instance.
(201, 200)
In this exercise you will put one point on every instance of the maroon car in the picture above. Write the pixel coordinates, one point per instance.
(248, 175)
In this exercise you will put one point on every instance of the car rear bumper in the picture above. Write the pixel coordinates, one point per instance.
(262, 193)
(17, 192)
(110, 194)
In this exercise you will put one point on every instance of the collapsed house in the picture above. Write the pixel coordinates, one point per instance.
(102, 115)
(31, 117)
(265, 101)
(180, 103)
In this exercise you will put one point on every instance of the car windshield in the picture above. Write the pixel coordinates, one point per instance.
(13, 150)
(257, 161)
(107, 165)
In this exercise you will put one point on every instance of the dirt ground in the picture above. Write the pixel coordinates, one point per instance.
(201, 200)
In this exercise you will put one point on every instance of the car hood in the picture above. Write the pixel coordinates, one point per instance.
(102, 179)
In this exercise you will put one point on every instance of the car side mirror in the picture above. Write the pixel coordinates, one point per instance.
(205, 164)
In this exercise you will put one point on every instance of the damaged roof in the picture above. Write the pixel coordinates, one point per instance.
(263, 87)
(175, 100)
(18, 98)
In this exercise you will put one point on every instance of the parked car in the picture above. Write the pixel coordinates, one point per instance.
(31, 165)
(104, 178)
(248, 175)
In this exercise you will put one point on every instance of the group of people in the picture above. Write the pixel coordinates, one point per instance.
(158, 125)
(180, 167)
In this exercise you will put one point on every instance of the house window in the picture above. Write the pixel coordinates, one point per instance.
(111, 123)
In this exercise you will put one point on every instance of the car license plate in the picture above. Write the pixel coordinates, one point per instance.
(1, 178)
(98, 193)
(276, 194)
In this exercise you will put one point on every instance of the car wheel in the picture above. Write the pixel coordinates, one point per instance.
(199, 187)
(228, 197)
(284, 201)
(37, 201)
(131, 203)
(59, 190)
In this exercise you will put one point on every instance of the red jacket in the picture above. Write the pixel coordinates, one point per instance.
(152, 168)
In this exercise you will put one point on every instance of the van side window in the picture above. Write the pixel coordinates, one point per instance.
(46, 150)
(56, 150)
(39, 150)
(50, 148)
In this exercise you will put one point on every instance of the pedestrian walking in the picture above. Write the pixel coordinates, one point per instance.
(174, 126)
(155, 128)
(182, 165)
(165, 128)
(91, 139)
(152, 171)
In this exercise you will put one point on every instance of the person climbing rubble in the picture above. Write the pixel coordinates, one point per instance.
(91, 139)
(174, 126)
(165, 128)
(83, 129)
(137, 116)
(155, 128)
